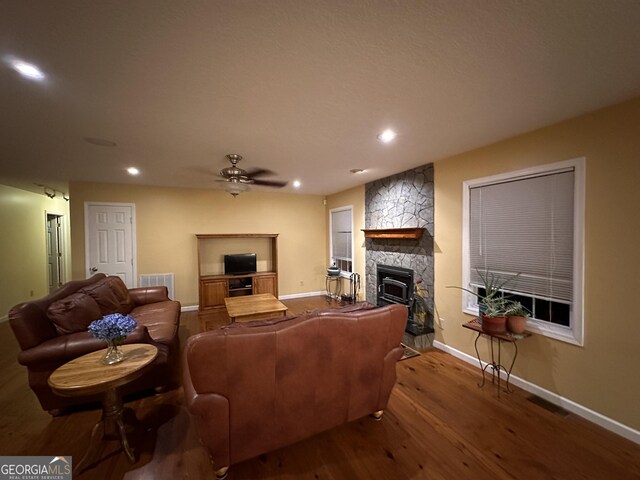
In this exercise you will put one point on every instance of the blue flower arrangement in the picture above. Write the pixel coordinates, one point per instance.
(113, 328)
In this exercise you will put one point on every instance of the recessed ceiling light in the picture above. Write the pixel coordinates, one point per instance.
(356, 170)
(387, 136)
(101, 142)
(297, 184)
(133, 171)
(27, 70)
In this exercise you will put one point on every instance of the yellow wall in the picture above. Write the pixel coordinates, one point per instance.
(602, 375)
(169, 218)
(353, 197)
(23, 250)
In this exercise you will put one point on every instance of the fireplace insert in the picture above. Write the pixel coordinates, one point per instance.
(395, 285)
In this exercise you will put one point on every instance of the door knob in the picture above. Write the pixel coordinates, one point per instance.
(93, 269)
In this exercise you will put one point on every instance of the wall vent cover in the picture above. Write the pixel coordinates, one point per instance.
(158, 279)
(547, 405)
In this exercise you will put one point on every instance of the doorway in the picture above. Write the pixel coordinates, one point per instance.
(55, 250)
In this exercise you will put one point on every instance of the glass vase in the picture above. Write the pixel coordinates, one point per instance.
(114, 354)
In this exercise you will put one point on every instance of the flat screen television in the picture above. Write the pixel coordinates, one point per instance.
(240, 263)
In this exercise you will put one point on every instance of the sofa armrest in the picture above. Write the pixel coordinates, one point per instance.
(64, 348)
(140, 335)
(145, 295)
(211, 412)
(389, 376)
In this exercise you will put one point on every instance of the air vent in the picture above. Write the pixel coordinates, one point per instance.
(551, 407)
(158, 279)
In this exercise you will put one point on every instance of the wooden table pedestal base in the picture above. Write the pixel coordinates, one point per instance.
(115, 423)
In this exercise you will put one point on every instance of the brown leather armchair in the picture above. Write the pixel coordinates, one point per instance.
(255, 387)
(53, 330)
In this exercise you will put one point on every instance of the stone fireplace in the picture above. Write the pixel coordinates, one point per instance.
(404, 200)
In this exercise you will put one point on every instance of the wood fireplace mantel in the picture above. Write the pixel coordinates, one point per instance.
(407, 233)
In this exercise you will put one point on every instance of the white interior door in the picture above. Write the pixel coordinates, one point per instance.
(54, 251)
(110, 240)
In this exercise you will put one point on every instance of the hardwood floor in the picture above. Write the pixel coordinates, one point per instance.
(438, 425)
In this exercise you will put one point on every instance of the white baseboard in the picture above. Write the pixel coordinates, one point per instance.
(300, 295)
(189, 308)
(569, 405)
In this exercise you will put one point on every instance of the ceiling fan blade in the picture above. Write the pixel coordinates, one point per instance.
(258, 172)
(270, 183)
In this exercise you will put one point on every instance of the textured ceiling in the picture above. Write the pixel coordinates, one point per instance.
(298, 87)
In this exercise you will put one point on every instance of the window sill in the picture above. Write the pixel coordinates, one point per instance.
(563, 334)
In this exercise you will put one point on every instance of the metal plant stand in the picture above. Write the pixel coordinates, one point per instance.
(496, 363)
(337, 286)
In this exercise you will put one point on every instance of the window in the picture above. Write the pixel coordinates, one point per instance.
(530, 224)
(341, 250)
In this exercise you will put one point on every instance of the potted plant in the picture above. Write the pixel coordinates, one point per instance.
(492, 305)
(517, 316)
(493, 314)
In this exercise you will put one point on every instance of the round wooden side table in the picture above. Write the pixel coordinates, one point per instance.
(87, 375)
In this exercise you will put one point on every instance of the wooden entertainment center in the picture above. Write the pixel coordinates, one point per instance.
(215, 286)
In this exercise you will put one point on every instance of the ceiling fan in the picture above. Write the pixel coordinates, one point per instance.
(237, 179)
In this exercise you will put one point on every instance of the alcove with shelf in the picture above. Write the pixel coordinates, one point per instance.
(215, 285)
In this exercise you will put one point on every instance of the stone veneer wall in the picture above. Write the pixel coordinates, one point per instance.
(402, 200)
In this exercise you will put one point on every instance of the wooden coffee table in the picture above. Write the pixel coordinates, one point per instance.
(254, 307)
(87, 375)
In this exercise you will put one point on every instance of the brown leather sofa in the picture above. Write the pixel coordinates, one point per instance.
(255, 387)
(53, 330)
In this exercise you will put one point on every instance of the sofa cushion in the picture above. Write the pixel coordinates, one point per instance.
(104, 296)
(73, 313)
(160, 318)
(121, 292)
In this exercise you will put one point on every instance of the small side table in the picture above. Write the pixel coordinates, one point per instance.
(496, 366)
(87, 375)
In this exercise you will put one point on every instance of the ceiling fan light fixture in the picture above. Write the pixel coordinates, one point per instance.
(235, 188)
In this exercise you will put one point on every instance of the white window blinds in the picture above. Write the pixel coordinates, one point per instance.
(341, 234)
(525, 225)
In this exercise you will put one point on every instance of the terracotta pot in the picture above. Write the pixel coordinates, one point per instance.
(516, 324)
(494, 324)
